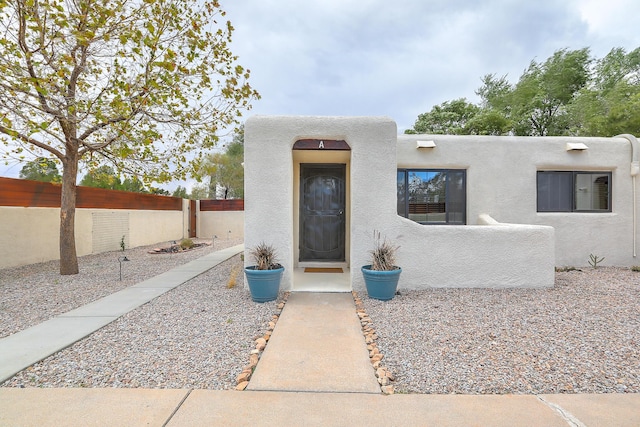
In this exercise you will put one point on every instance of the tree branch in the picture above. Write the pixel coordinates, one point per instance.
(24, 138)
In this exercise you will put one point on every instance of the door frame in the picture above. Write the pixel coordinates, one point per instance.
(323, 157)
(343, 230)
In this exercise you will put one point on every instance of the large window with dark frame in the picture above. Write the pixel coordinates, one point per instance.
(574, 191)
(432, 196)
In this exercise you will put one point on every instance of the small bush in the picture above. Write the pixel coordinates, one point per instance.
(594, 260)
(186, 244)
(635, 268)
(561, 269)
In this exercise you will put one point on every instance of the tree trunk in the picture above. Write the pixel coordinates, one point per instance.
(68, 256)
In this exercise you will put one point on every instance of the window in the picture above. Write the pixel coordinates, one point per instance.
(432, 196)
(567, 191)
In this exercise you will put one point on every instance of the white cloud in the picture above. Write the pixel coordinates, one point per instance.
(399, 59)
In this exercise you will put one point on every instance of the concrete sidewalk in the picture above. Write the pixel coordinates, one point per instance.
(177, 408)
(315, 371)
(24, 348)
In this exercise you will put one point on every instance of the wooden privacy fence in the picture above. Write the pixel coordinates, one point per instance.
(35, 194)
(221, 205)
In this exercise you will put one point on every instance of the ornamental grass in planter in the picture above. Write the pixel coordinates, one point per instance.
(382, 275)
(264, 277)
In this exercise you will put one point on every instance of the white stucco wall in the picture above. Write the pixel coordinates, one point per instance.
(501, 182)
(444, 256)
(270, 208)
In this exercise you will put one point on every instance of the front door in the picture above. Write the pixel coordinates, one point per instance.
(322, 217)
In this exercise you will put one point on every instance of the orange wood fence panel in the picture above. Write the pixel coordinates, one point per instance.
(21, 192)
(222, 205)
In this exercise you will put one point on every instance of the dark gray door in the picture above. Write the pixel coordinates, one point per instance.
(322, 219)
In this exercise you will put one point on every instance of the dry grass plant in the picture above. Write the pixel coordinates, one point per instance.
(233, 277)
(383, 255)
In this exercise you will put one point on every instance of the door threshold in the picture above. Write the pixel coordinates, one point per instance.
(323, 264)
(321, 282)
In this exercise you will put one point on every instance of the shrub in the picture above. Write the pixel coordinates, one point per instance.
(186, 244)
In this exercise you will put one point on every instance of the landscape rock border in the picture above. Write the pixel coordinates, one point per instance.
(176, 248)
(260, 343)
(384, 376)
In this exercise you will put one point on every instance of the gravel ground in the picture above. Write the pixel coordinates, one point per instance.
(34, 293)
(582, 336)
(198, 335)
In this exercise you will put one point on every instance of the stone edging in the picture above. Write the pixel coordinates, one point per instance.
(260, 342)
(383, 374)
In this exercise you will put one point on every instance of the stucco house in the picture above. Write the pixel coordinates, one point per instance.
(466, 211)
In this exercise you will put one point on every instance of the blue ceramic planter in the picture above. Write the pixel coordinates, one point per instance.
(381, 285)
(263, 284)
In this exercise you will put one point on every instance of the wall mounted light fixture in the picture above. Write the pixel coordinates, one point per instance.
(425, 144)
(576, 146)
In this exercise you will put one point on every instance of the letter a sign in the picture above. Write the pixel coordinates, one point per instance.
(321, 144)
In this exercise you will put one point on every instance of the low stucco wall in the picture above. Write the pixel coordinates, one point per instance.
(223, 224)
(31, 235)
(494, 255)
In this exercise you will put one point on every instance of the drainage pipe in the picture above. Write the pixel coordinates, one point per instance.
(635, 171)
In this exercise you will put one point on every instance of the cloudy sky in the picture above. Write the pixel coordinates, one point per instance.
(400, 58)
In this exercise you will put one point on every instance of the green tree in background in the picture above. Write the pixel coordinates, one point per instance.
(106, 177)
(539, 101)
(181, 192)
(450, 117)
(226, 170)
(41, 169)
(145, 85)
(570, 93)
(159, 191)
(610, 104)
(102, 177)
(199, 192)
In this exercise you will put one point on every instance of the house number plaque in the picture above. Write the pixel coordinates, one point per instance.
(321, 144)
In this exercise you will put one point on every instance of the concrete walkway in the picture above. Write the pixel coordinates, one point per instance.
(314, 372)
(24, 348)
(317, 346)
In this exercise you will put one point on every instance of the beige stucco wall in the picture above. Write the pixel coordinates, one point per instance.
(31, 235)
(444, 256)
(223, 224)
(501, 182)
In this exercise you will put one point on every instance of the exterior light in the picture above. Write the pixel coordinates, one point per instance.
(576, 146)
(121, 260)
(425, 144)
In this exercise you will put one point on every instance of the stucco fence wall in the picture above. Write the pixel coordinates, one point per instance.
(31, 235)
(221, 225)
